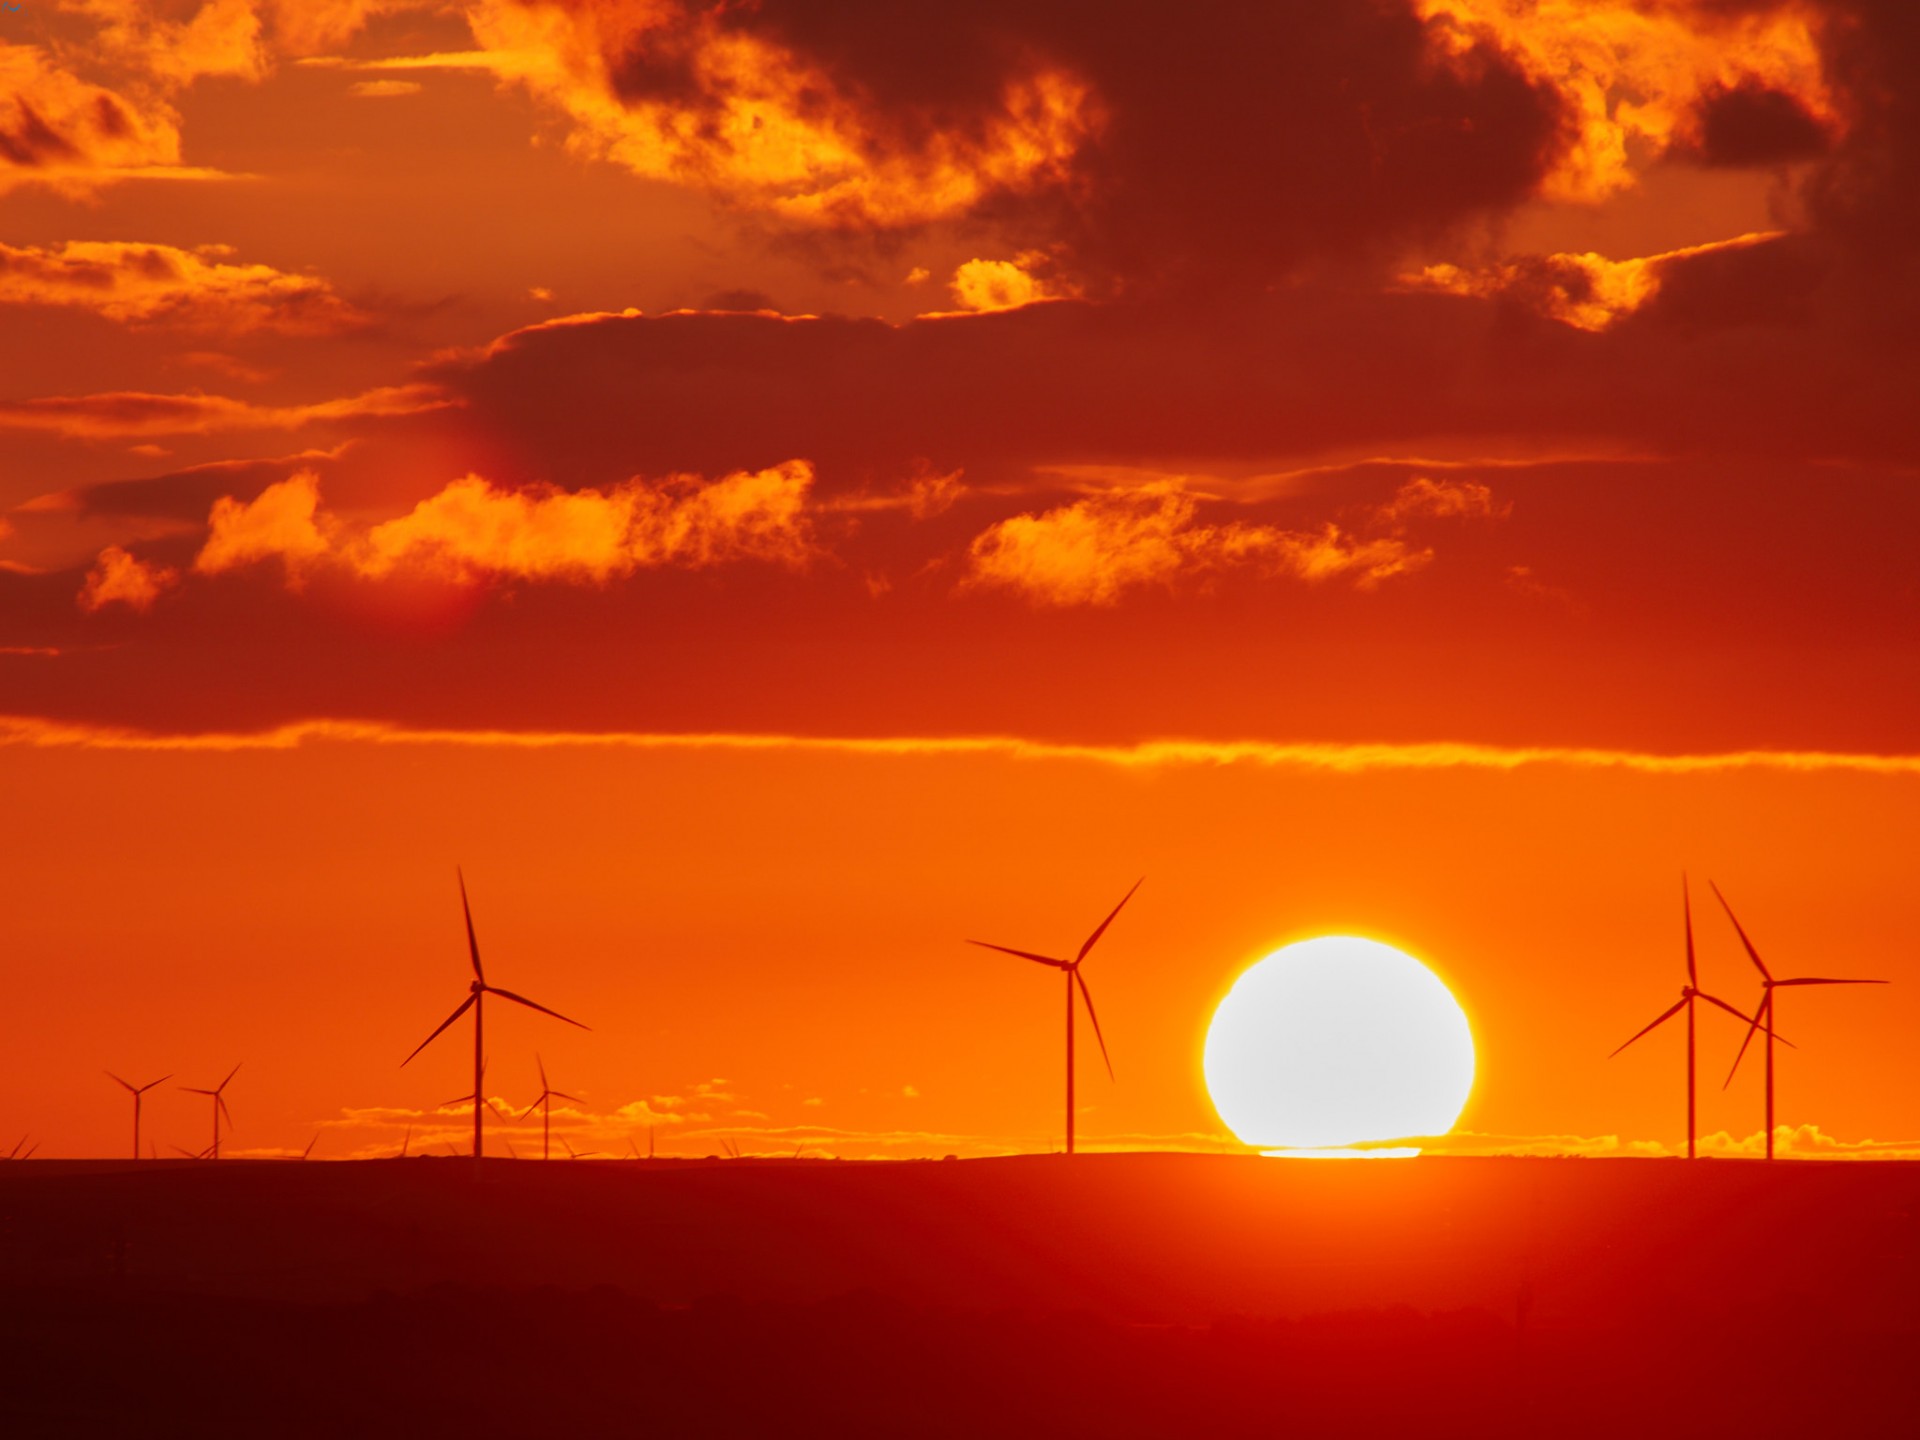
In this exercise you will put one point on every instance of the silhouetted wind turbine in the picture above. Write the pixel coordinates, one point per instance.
(477, 993)
(218, 1095)
(1689, 992)
(1763, 1017)
(545, 1106)
(573, 1154)
(137, 1091)
(1071, 968)
(310, 1144)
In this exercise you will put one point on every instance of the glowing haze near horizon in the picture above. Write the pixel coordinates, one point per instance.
(775, 489)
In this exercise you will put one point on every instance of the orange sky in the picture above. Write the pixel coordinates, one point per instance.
(705, 383)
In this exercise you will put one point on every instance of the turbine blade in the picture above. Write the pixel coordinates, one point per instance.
(1686, 910)
(1087, 995)
(111, 1076)
(1023, 954)
(1665, 1015)
(221, 1101)
(150, 1084)
(473, 945)
(1822, 980)
(543, 1070)
(522, 1000)
(1745, 1040)
(193, 1090)
(1739, 1014)
(562, 1095)
(531, 1108)
(310, 1144)
(1102, 928)
(1752, 954)
(465, 1005)
(230, 1074)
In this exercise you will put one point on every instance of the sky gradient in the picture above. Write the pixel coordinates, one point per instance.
(774, 489)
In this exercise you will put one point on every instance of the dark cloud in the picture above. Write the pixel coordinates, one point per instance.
(1234, 140)
(1749, 124)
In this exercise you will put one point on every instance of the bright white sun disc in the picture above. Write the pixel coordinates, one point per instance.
(1338, 1041)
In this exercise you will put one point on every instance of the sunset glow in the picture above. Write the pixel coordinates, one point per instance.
(774, 490)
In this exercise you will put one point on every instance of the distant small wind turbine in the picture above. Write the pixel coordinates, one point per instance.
(1071, 969)
(219, 1098)
(573, 1154)
(1689, 992)
(137, 1091)
(545, 1106)
(14, 1154)
(190, 1154)
(310, 1144)
(477, 993)
(1763, 1018)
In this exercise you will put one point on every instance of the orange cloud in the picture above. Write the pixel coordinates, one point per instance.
(118, 578)
(1586, 291)
(36, 732)
(163, 284)
(383, 89)
(61, 131)
(471, 529)
(279, 521)
(221, 38)
(742, 115)
(1423, 497)
(1094, 550)
(1635, 79)
(122, 413)
(996, 285)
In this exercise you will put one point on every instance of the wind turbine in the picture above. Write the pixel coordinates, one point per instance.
(219, 1106)
(545, 1106)
(1689, 993)
(1071, 969)
(1763, 1015)
(573, 1154)
(138, 1091)
(477, 993)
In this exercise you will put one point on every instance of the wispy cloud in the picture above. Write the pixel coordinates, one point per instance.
(43, 732)
(144, 284)
(130, 413)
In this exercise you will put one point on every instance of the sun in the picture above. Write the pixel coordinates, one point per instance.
(1338, 1041)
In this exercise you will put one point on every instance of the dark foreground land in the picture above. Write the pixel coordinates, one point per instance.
(1109, 1295)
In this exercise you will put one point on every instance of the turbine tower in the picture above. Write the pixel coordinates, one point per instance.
(477, 993)
(477, 1097)
(219, 1098)
(1763, 1016)
(1689, 993)
(545, 1106)
(1071, 970)
(137, 1092)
